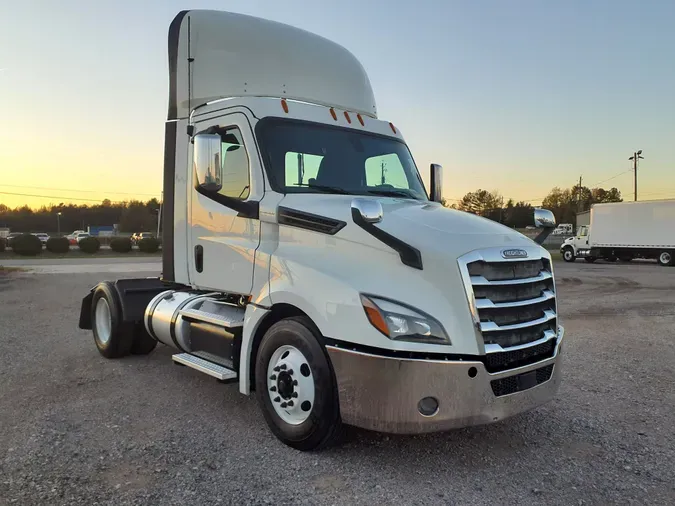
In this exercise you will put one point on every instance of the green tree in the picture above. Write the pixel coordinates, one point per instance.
(481, 202)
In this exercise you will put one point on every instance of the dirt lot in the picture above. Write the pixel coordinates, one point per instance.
(78, 429)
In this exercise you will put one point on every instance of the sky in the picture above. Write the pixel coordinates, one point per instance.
(517, 96)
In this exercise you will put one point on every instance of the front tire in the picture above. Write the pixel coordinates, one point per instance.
(568, 255)
(112, 336)
(295, 386)
(666, 258)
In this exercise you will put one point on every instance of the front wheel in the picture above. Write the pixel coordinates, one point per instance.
(568, 255)
(666, 258)
(295, 386)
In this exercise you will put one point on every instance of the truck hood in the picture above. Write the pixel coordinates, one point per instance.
(428, 226)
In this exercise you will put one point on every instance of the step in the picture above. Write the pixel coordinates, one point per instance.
(201, 365)
(229, 317)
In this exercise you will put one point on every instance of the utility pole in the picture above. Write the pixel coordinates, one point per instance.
(636, 156)
(579, 196)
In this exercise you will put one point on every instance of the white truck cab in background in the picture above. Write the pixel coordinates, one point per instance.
(304, 260)
(625, 231)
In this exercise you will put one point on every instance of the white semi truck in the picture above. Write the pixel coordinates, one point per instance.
(624, 231)
(304, 260)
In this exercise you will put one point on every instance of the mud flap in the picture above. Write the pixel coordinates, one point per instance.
(85, 311)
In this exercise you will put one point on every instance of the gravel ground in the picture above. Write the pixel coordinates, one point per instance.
(79, 429)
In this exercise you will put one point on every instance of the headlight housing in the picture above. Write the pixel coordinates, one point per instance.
(400, 322)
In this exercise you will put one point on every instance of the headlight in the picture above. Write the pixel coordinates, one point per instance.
(403, 323)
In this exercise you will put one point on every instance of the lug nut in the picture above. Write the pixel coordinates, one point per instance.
(290, 371)
(295, 383)
(290, 403)
(277, 399)
(283, 404)
(273, 389)
(294, 395)
(273, 377)
(276, 369)
(282, 367)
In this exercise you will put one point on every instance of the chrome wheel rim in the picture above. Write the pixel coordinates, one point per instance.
(665, 257)
(103, 321)
(568, 255)
(290, 385)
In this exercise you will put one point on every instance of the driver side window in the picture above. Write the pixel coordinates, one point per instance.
(234, 165)
(386, 170)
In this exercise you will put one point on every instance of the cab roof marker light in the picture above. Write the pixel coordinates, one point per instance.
(332, 113)
(393, 128)
(358, 116)
(349, 120)
(284, 105)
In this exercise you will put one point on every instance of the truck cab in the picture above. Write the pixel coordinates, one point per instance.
(305, 261)
(576, 246)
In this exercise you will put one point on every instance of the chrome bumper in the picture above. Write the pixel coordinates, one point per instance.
(381, 393)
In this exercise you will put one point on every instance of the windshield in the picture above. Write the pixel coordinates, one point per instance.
(304, 157)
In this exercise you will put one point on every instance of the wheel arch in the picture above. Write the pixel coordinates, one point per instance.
(250, 346)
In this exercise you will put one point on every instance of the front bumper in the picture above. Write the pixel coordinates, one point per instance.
(382, 393)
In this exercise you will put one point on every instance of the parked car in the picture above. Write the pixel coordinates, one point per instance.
(80, 236)
(11, 236)
(72, 238)
(42, 236)
(135, 238)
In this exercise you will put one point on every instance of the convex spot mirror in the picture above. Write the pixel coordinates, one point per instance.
(543, 218)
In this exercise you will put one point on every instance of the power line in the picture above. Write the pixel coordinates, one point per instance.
(73, 190)
(62, 198)
(613, 177)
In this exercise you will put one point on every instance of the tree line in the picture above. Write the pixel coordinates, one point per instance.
(138, 216)
(564, 203)
(132, 216)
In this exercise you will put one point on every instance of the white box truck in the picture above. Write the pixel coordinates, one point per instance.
(624, 231)
(294, 266)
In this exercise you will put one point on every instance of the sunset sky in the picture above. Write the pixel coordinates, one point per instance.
(513, 96)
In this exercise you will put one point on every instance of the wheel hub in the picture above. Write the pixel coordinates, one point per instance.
(290, 384)
(285, 385)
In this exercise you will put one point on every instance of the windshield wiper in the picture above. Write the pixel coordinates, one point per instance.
(325, 188)
(394, 193)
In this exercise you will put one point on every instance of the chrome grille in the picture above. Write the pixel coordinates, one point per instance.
(513, 301)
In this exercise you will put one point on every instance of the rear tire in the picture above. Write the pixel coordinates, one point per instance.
(306, 415)
(568, 255)
(143, 343)
(112, 336)
(666, 258)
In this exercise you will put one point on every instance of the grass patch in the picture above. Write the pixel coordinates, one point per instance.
(7, 270)
(76, 253)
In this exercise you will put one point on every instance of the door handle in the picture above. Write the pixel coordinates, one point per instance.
(199, 258)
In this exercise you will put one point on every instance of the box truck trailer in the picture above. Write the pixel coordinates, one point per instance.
(624, 231)
(295, 267)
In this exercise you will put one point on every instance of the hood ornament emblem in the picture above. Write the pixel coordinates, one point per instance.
(514, 253)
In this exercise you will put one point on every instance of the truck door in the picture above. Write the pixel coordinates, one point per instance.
(222, 241)
(581, 240)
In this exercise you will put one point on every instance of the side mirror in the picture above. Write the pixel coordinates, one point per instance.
(207, 162)
(436, 192)
(543, 218)
(369, 210)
